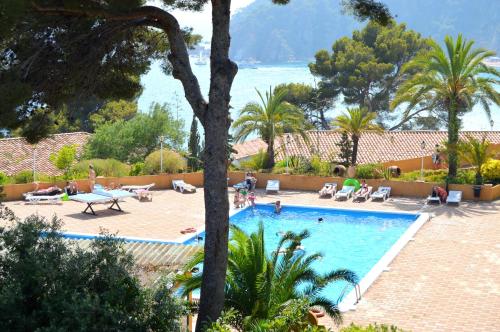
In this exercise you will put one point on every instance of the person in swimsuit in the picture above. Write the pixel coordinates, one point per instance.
(92, 177)
(71, 188)
(277, 207)
(251, 198)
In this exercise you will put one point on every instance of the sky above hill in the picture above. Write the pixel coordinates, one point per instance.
(201, 22)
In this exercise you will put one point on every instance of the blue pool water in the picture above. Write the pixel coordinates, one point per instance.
(350, 239)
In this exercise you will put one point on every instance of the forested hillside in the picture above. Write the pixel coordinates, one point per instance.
(271, 33)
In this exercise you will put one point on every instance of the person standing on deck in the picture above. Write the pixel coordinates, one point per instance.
(92, 177)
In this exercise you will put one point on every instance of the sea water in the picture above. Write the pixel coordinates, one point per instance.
(161, 88)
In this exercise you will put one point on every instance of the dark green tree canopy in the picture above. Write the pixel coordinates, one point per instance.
(133, 140)
(46, 60)
(313, 102)
(366, 69)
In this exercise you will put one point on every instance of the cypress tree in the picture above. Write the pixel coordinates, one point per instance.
(194, 146)
(345, 146)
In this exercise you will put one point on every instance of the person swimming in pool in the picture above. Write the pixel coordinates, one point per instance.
(320, 220)
(277, 207)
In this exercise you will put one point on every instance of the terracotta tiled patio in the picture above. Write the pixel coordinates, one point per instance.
(447, 279)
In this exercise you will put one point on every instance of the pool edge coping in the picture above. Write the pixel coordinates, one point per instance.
(350, 301)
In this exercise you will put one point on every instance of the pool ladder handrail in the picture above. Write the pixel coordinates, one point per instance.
(358, 293)
(357, 289)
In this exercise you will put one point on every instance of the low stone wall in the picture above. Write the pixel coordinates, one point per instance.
(399, 188)
(164, 181)
(287, 182)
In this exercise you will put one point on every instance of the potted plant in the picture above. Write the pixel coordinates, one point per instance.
(476, 153)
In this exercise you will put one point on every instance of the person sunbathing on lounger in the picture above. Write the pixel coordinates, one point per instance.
(364, 188)
(71, 188)
(326, 190)
(50, 191)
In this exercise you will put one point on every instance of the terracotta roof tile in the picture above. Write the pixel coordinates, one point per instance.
(16, 154)
(373, 147)
(249, 148)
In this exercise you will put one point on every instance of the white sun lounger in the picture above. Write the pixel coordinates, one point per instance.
(100, 197)
(346, 192)
(381, 193)
(454, 196)
(328, 191)
(365, 195)
(431, 199)
(183, 186)
(53, 199)
(131, 188)
(273, 185)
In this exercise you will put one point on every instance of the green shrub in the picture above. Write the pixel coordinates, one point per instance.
(491, 171)
(172, 162)
(302, 165)
(25, 176)
(49, 284)
(64, 159)
(102, 167)
(320, 167)
(3, 178)
(137, 169)
(369, 171)
(464, 176)
(371, 328)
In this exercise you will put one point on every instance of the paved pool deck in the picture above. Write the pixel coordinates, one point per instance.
(447, 279)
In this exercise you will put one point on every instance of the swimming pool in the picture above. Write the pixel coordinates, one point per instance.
(362, 241)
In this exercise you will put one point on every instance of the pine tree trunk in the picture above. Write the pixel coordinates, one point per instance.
(216, 124)
(324, 123)
(452, 141)
(216, 217)
(355, 140)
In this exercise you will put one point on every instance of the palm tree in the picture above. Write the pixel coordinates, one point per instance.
(259, 285)
(452, 80)
(354, 122)
(475, 152)
(273, 117)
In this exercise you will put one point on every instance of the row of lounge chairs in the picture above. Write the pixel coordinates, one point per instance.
(101, 195)
(330, 189)
(382, 193)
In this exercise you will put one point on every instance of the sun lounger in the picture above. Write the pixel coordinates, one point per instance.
(53, 199)
(363, 195)
(273, 185)
(133, 188)
(454, 196)
(183, 186)
(381, 193)
(329, 189)
(346, 192)
(101, 197)
(433, 199)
